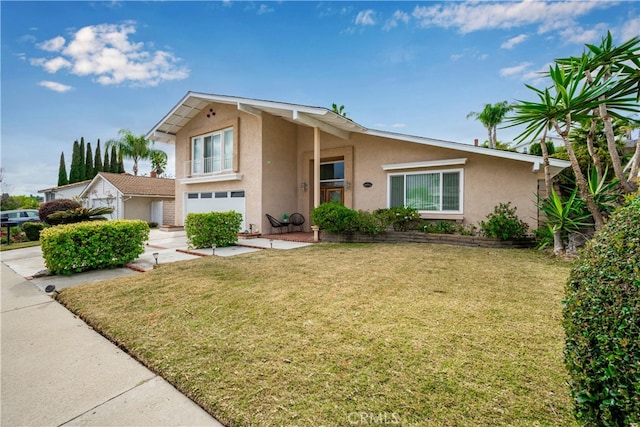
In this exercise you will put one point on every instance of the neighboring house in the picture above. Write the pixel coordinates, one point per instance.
(133, 197)
(69, 191)
(262, 157)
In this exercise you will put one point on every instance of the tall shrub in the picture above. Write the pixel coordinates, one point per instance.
(54, 206)
(602, 324)
(334, 217)
(213, 228)
(504, 224)
(73, 248)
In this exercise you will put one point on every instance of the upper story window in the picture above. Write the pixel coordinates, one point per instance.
(212, 153)
(439, 191)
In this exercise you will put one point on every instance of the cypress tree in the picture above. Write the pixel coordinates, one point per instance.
(97, 160)
(120, 163)
(75, 171)
(81, 166)
(113, 168)
(88, 163)
(62, 172)
(106, 166)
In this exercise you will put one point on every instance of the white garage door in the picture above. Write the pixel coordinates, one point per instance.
(218, 201)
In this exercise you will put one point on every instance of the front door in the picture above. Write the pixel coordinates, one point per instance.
(332, 194)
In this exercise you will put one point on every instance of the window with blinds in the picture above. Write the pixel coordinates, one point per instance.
(439, 191)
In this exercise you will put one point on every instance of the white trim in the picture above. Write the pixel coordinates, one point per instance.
(426, 164)
(212, 178)
(424, 212)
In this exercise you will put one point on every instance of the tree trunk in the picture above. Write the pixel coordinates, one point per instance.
(613, 150)
(558, 244)
(633, 173)
(592, 152)
(545, 162)
(490, 142)
(581, 182)
(495, 136)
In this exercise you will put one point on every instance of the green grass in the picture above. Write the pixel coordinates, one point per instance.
(20, 245)
(331, 334)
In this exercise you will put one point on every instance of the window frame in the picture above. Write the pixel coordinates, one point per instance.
(440, 172)
(216, 165)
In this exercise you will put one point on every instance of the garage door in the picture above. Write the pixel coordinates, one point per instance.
(218, 201)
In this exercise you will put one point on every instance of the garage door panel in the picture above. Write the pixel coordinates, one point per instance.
(217, 201)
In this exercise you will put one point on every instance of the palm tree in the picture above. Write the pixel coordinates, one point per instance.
(338, 110)
(490, 117)
(158, 162)
(133, 147)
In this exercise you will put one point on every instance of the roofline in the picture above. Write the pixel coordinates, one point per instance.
(320, 112)
(65, 186)
(116, 187)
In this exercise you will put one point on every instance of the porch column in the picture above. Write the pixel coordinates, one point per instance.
(316, 167)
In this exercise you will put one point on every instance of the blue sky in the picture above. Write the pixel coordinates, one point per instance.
(88, 69)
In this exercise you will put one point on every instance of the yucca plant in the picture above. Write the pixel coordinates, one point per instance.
(564, 216)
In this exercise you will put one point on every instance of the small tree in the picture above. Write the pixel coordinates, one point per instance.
(158, 162)
(74, 173)
(88, 163)
(81, 163)
(106, 165)
(62, 172)
(97, 160)
(491, 116)
(113, 165)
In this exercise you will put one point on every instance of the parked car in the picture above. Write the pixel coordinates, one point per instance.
(20, 216)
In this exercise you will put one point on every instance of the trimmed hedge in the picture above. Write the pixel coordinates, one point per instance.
(602, 324)
(206, 229)
(73, 248)
(33, 229)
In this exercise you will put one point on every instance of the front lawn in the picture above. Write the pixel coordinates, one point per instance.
(404, 334)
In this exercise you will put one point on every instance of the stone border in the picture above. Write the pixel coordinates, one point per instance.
(420, 237)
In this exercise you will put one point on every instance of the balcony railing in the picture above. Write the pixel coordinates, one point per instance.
(206, 166)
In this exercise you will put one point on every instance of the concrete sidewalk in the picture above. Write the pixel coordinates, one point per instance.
(57, 371)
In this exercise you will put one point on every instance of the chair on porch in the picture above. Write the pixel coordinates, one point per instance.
(296, 220)
(277, 224)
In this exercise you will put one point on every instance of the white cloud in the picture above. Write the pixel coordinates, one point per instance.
(630, 29)
(53, 45)
(54, 86)
(263, 8)
(537, 75)
(106, 52)
(398, 16)
(578, 35)
(366, 17)
(472, 16)
(509, 44)
(518, 69)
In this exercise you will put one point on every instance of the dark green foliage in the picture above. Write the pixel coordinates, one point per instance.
(334, 217)
(97, 160)
(106, 164)
(81, 165)
(53, 206)
(74, 172)
(80, 214)
(120, 163)
(536, 150)
(602, 324)
(375, 222)
(213, 228)
(113, 158)
(62, 172)
(504, 224)
(33, 229)
(404, 218)
(72, 248)
(88, 163)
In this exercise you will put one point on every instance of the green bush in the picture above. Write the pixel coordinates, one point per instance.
(72, 248)
(404, 218)
(54, 206)
(32, 230)
(333, 217)
(602, 324)
(213, 228)
(504, 224)
(375, 222)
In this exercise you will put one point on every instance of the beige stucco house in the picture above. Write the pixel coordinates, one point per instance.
(263, 157)
(68, 191)
(133, 197)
